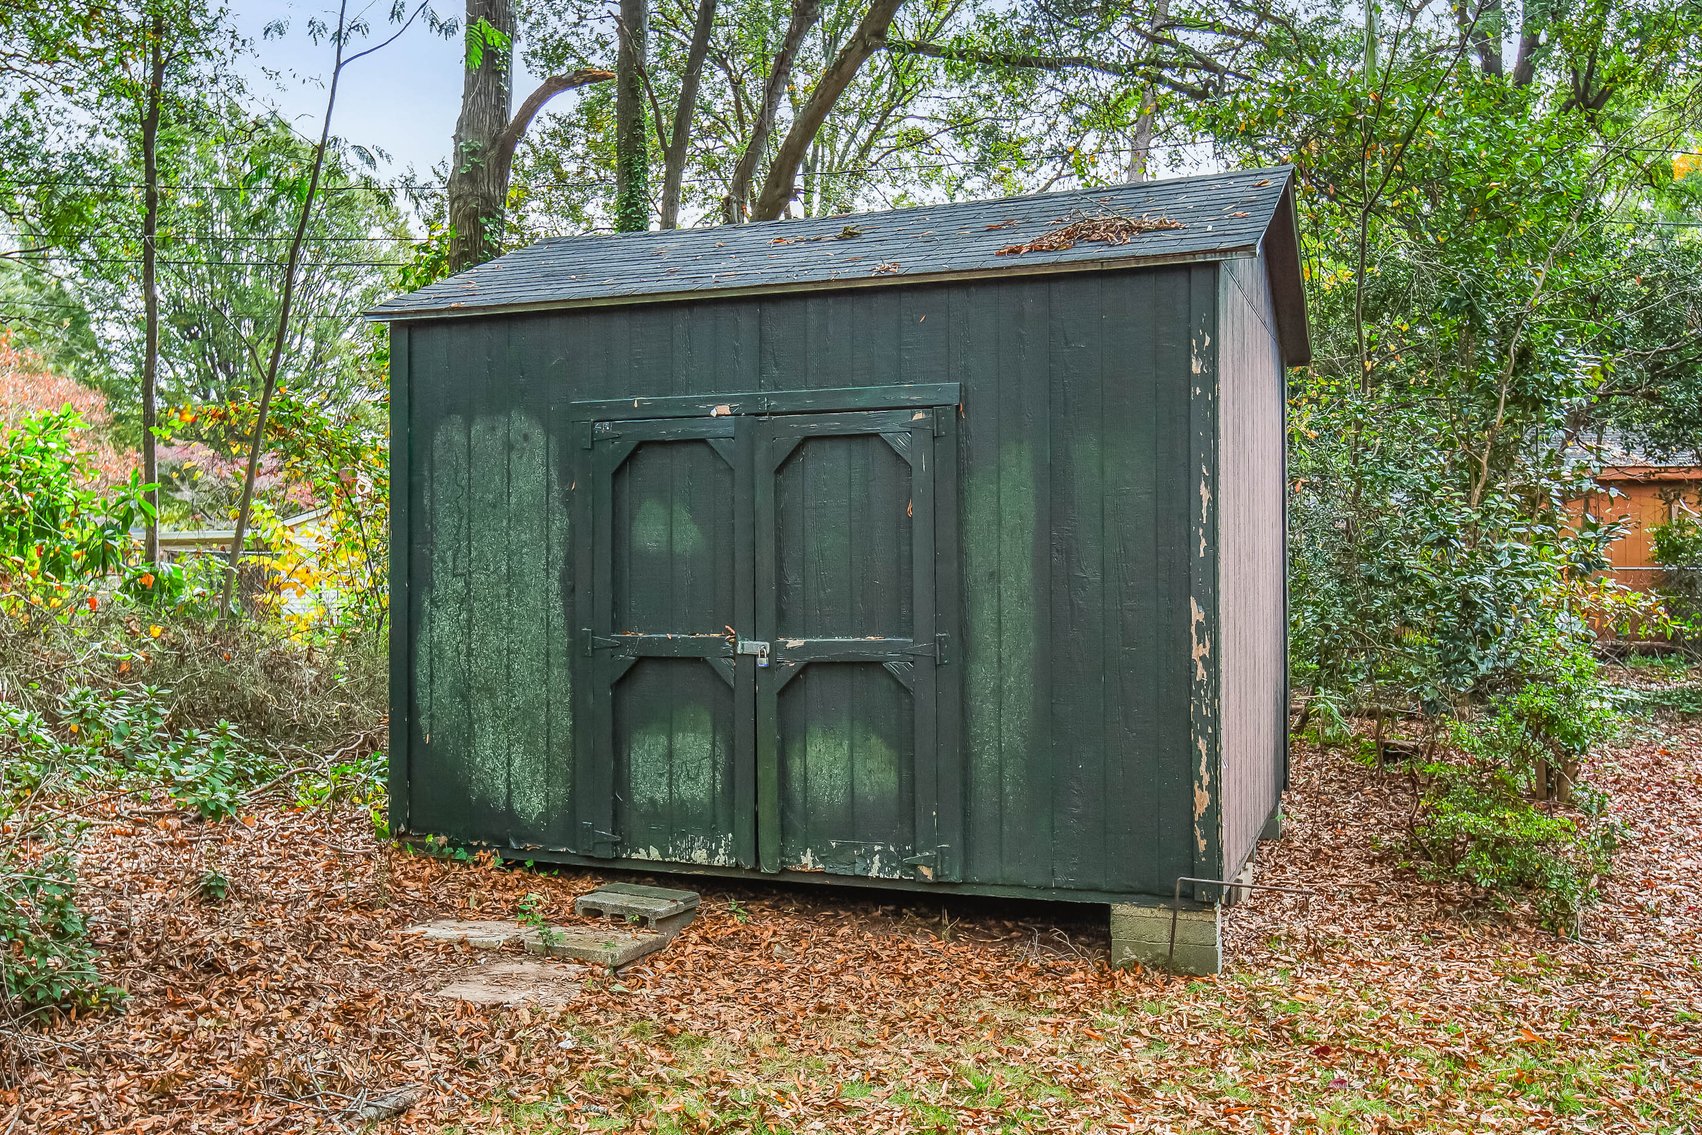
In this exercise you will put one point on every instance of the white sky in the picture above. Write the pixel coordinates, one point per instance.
(402, 99)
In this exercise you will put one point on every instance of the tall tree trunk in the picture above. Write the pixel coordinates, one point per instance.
(679, 141)
(1487, 38)
(1140, 155)
(869, 38)
(478, 184)
(632, 137)
(736, 206)
(1140, 147)
(286, 296)
(153, 96)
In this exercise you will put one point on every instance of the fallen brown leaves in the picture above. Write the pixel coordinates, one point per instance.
(1104, 228)
(1391, 1005)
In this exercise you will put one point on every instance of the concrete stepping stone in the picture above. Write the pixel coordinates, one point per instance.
(484, 934)
(603, 945)
(665, 911)
(520, 982)
(636, 902)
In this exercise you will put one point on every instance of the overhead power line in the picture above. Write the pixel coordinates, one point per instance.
(60, 258)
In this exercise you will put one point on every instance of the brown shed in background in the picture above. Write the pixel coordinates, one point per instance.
(1642, 492)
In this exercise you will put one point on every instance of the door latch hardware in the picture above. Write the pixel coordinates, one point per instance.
(756, 647)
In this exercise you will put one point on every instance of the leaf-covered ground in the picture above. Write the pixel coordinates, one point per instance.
(1388, 1005)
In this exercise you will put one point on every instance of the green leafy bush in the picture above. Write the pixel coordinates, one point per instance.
(1677, 547)
(1476, 824)
(207, 771)
(1478, 819)
(120, 736)
(46, 958)
(54, 529)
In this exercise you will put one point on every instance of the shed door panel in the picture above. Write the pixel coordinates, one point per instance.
(759, 645)
(845, 595)
(667, 710)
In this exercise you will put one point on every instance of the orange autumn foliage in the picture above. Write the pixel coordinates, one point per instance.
(28, 387)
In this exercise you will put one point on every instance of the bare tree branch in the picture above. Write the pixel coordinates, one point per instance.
(679, 139)
(869, 37)
(1037, 61)
(805, 13)
(509, 139)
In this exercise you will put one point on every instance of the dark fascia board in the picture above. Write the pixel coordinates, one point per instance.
(837, 285)
(1288, 286)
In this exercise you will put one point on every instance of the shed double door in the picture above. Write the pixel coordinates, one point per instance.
(763, 641)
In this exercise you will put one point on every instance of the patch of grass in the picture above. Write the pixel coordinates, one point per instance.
(1356, 1061)
(1679, 700)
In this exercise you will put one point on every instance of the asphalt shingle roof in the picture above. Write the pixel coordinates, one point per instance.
(1220, 215)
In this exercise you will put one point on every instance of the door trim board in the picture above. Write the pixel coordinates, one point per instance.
(826, 400)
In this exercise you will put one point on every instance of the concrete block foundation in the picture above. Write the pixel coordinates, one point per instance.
(1234, 895)
(1140, 932)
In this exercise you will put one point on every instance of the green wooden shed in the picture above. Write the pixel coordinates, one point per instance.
(938, 549)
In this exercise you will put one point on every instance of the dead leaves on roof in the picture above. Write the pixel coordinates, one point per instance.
(849, 232)
(1097, 228)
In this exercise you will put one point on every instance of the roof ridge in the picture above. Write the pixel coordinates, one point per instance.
(829, 218)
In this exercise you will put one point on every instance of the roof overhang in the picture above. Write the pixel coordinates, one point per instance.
(1228, 216)
(845, 283)
(1287, 280)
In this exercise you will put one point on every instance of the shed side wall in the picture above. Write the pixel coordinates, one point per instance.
(1076, 526)
(1252, 596)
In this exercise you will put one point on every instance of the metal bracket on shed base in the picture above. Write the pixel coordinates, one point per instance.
(1176, 898)
(927, 863)
(597, 842)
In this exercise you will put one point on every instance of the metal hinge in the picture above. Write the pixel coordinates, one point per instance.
(935, 650)
(597, 840)
(589, 643)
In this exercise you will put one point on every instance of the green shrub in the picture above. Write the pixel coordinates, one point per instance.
(1677, 547)
(46, 958)
(54, 529)
(121, 737)
(206, 771)
(1477, 819)
(1477, 824)
(363, 781)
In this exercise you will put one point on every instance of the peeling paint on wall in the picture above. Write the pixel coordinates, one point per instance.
(714, 851)
(482, 669)
(1199, 353)
(1203, 612)
(1199, 641)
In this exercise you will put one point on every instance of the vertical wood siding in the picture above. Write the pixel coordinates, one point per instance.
(1252, 597)
(1073, 473)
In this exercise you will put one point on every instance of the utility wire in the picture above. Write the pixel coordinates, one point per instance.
(59, 258)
